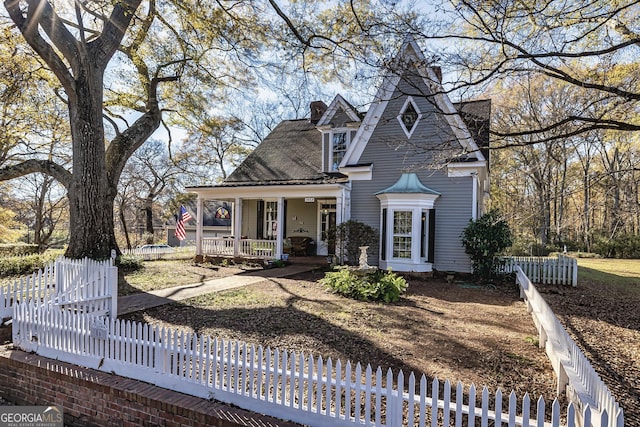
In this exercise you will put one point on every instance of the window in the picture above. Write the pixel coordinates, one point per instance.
(409, 116)
(402, 234)
(338, 148)
(271, 220)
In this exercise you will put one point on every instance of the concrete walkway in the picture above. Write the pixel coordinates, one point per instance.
(144, 300)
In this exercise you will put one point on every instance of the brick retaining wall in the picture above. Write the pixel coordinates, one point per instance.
(94, 398)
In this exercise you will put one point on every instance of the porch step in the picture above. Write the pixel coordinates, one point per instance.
(319, 261)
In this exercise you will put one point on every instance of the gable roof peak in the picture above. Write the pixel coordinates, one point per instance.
(410, 50)
(339, 103)
(411, 54)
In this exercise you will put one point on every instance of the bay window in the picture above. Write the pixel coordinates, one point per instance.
(407, 225)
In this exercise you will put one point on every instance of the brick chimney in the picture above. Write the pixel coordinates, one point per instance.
(318, 108)
(438, 72)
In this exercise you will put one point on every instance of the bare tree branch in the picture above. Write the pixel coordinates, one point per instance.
(102, 48)
(46, 167)
(28, 26)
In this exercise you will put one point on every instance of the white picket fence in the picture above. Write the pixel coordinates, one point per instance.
(282, 384)
(87, 285)
(562, 270)
(574, 373)
(156, 253)
(36, 287)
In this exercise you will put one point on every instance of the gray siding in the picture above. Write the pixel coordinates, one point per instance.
(392, 153)
(340, 119)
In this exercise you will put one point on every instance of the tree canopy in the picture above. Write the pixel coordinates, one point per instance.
(588, 45)
(111, 73)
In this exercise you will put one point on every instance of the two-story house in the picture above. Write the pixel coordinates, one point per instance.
(414, 167)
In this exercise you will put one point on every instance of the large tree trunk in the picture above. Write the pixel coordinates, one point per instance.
(148, 214)
(91, 195)
(125, 230)
(79, 63)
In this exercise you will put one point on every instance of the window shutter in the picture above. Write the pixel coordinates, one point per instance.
(432, 235)
(260, 220)
(284, 221)
(423, 234)
(383, 243)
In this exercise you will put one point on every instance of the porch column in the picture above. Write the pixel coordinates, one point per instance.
(280, 227)
(339, 220)
(237, 226)
(199, 225)
(340, 217)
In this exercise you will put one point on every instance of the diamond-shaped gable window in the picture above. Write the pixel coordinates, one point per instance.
(409, 116)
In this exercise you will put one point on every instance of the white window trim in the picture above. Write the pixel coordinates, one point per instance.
(347, 133)
(410, 235)
(408, 101)
(268, 223)
(406, 202)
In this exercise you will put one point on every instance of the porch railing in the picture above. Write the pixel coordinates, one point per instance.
(249, 248)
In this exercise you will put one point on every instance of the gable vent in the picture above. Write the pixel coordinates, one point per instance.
(409, 116)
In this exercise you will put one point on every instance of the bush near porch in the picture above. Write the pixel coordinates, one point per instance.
(365, 285)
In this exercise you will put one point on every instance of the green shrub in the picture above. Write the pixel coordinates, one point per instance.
(129, 263)
(278, 263)
(24, 265)
(624, 246)
(374, 285)
(17, 249)
(484, 239)
(349, 236)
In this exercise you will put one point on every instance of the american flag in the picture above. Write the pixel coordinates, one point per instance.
(183, 217)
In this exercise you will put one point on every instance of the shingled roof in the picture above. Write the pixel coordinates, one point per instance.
(477, 116)
(290, 154)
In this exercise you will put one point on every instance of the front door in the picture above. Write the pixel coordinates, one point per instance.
(327, 246)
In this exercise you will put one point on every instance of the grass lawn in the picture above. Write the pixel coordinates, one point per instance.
(168, 273)
(619, 273)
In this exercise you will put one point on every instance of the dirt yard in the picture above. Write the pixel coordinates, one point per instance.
(457, 331)
(604, 320)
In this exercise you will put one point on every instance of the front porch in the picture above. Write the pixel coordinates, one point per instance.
(261, 226)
